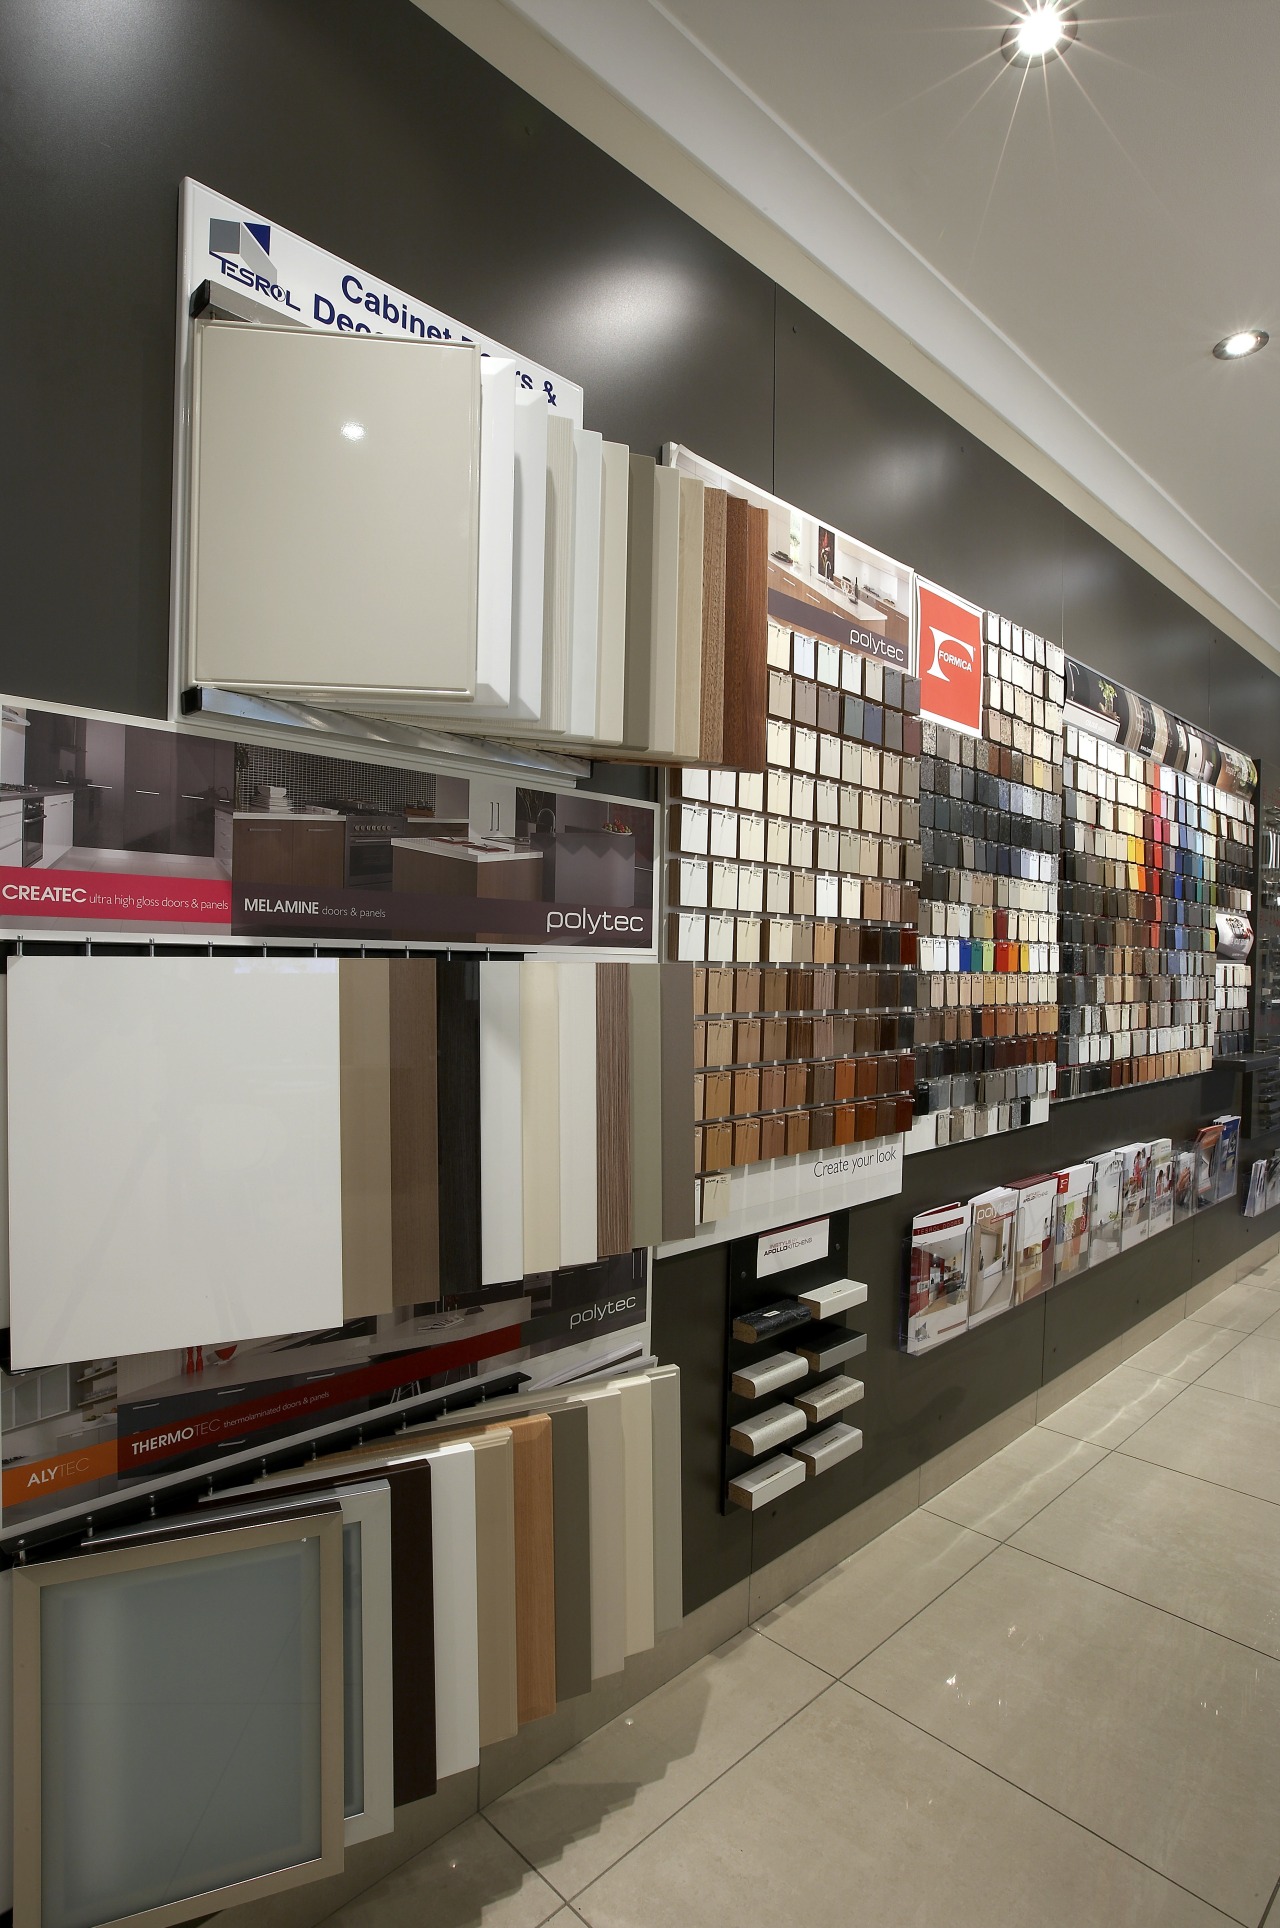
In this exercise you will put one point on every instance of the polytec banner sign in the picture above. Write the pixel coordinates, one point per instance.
(225, 243)
(950, 645)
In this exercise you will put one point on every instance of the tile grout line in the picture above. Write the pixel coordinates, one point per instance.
(1104, 1450)
(1041, 1801)
(829, 1681)
(1219, 1486)
(1262, 1919)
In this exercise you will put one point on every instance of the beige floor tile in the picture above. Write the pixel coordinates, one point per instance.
(1002, 1495)
(848, 1816)
(468, 1874)
(1196, 1550)
(1115, 1407)
(1270, 1328)
(1214, 1436)
(1159, 1736)
(841, 1617)
(1241, 1308)
(577, 1816)
(1251, 1370)
(1273, 1912)
(1185, 1352)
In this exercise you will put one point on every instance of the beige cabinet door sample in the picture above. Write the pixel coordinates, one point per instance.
(333, 537)
(364, 995)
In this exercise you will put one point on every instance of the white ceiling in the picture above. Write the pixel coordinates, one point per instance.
(1067, 241)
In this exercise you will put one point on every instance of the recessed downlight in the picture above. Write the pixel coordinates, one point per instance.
(1044, 29)
(1236, 347)
(353, 431)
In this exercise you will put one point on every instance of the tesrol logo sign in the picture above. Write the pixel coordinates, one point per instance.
(244, 249)
(950, 633)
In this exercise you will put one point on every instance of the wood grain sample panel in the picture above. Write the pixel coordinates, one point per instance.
(535, 1567)
(415, 1228)
(540, 1108)
(613, 1111)
(571, 1468)
(646, 1103)
(711, 698)
(501, 1134)
(638, 699)
(364, 1027)
(677, 1173)
(688, 705)
(746, 634)
(413, 1633)
(458, 1122)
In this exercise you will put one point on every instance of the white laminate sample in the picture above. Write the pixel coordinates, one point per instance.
(557, 622)
(760, 1485)
(611, 678)
(636, 1396)
(453, 1566)
(529, 555)
(762, 1432)
(334, 515)
(668, 1559)
(497, 530)
(540, 1113)
(831, 1397)
(828, 1449)
(501, 1126)
(824, 1301)
(587, 530)
(175, 1177)
(579, 1231)
(767, 1375)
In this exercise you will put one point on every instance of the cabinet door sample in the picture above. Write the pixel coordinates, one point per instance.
(497, 529)
(746, 634)
(613, 1110)
(611, 679)
(150, 778)
(458, 1122)
(638, 694)
(413, 1633)
(557, 621)
(608, 1534)
(668, 1568)
(365, 1043)
(190, 1106)
(688, 707)
(6, 1741)
(179, 1713)
(585, 639)
(636, 1405)
(576, 979)
(711, 699)
(501, 1134)
(571, 1472)
(535, 1566)
(367, 1635)
(540, 1111)
(415, 1221)
(496, 1583)
(341, 559)
(646, 1102)
(678, 1220)
(453, 1555)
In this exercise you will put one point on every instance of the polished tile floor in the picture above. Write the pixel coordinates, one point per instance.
(1050, 1697)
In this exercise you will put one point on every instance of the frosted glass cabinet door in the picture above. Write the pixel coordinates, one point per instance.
(175, 1175)
(368, 1791)
(178, 1714)
(334, 514)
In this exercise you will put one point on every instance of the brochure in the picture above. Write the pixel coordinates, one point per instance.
(1208, 1154)
(1108, 1184)
(1033, 1256)
(1071, 1222)
(1228, 1155)
(1184, 1183)
(1162, 1181)
(1135, 1202)
(991, 1253)
(938, 1277)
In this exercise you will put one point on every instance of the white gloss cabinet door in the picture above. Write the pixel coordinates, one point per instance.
(457, 1648)
(334, 517)
(175, 1169)
(497, 529)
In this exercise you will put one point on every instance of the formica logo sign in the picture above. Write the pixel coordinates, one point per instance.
(950, 659)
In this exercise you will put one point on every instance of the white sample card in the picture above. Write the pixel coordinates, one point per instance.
(176, 1164)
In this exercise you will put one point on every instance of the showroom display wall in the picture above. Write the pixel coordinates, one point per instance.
(501, 213)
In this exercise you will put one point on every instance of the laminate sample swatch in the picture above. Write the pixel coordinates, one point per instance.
(188, 1106)
(638, 695)
(678, 1181)
(413, 1638)
(497, 530)
(635, 1399)
(746, 634)
(688, 705)
(584, 655)
(668, 1568)
(415, 1205)
(540, 1112)
(364, 1017)
(557, 640)
(571, 1469)
(6, 1741)
(576, 985)
(458, 1122)
(453, 1564)
(608, 1534)
(613, 1110)
(612, 670)
(711, 697)
(496, 1583)
(646, 1102)
(535, 1566)
(501, 1133)
(666, 611)
(369, 1699)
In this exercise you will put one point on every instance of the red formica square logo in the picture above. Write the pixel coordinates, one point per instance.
(950, 636)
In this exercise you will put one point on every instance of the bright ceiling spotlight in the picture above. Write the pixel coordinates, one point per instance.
(1044, 30)
(1236, 347)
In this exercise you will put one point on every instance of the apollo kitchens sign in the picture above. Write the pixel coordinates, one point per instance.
(950, 645)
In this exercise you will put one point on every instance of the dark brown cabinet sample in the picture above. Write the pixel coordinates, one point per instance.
(296, 855)
(205, 776)
(150, 773)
